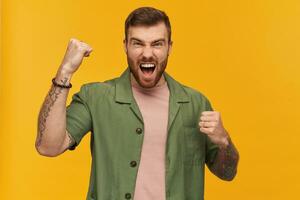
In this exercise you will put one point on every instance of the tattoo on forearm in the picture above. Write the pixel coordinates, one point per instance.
(46, 108)
(225, 163)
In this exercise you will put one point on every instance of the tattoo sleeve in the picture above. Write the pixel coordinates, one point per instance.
(46, 108)
(225, 163)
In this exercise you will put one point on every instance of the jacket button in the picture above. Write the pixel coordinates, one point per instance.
(139, 131)
(132, 163)
(127, 196)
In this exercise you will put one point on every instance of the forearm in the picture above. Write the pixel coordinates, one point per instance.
(52, 118)
(226, 162)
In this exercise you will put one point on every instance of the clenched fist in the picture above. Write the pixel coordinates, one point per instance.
(211, 125)
(75, 52)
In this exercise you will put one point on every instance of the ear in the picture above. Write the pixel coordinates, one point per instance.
(124, 45)
(170, 47)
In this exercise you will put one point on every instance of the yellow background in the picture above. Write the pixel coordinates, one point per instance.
(243, 55)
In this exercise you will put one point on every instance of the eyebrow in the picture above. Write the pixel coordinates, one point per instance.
(158, 40)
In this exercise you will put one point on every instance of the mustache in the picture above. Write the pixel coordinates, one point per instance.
(147, 61)
(150, 59)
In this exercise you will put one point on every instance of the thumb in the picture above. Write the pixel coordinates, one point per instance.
(87, 53)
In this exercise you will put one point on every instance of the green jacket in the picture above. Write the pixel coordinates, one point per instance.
(110, 112)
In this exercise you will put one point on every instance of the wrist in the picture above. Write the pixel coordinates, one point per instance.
(63, 77)
(224, 142)
(66, 68)
(63, 85)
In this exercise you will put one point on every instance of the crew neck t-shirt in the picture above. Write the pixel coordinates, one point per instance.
(153, 104)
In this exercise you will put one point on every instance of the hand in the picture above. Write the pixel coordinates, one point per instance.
(75, 52)
(211, 125)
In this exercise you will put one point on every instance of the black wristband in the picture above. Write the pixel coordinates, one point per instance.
(61, 86)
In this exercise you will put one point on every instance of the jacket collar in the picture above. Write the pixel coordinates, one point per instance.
(124, 92)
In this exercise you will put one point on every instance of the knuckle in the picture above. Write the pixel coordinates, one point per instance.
(81, 48)
(78, 47)
(73, 40)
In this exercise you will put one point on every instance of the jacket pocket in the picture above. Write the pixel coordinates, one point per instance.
(194, 145)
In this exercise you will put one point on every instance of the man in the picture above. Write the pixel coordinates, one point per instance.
(150, 136)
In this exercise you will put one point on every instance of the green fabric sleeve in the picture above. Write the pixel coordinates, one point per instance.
(78, 121)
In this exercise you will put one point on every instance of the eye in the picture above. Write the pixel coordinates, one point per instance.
(137, 44)
(158, 44)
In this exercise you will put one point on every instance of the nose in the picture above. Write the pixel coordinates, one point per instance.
(147, 52)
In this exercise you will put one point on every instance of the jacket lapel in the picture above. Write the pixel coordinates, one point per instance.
(124, 93)
(177, 96)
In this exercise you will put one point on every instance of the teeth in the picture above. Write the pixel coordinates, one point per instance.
(147, 65)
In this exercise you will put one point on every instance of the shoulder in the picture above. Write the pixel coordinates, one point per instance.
(197, 97)
(194, 93)
(98, 87)
(94, 90)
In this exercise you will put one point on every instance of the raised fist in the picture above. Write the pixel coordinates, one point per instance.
(74, 55)
(211, 125)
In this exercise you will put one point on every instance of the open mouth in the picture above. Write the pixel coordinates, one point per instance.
(147, 68)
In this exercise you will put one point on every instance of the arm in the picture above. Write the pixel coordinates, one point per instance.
(52, 137)
(225, 163)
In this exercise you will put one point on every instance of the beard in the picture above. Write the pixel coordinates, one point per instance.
(134, 67)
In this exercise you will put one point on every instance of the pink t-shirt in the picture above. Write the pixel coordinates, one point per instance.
(153, 104)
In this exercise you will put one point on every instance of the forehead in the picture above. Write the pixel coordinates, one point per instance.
(148, 33)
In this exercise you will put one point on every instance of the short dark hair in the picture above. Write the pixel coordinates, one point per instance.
(147, 16)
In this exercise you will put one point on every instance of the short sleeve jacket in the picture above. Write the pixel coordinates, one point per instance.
(110, 113)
